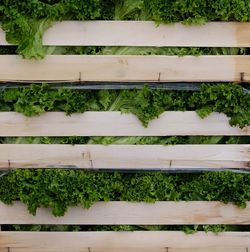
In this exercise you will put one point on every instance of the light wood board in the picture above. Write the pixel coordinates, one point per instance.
(208, 250)
(124, 156)
(136, 240)
(81, 249)
(55, 68)
(128, 213)
(145, 33)
(128, 250)
(116, 124)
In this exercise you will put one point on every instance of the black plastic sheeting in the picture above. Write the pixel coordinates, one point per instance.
(186, 86)
(176, 170)
(110, 85)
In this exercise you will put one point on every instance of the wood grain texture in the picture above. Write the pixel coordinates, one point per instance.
(124, 156)
(128, 213)
(136, 240)
(208, 250)
(242, 33)
(81, 249)
(129, 250)
(144, 33)
(3, 42)
(149, 68)
(98, 250)
(242, 69)
(116, 124)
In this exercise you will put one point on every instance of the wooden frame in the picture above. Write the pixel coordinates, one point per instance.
(126, 68)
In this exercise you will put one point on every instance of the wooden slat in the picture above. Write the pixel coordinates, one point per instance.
(127, 213)
(60, 250)
(144, 33)
(130, 250)
(125, 68)
(124, 156)
(138, 239)
(208, 250)
(3, 41)
(96, 250)
(116, 124)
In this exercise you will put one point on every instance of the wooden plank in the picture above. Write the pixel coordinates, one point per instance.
(116, 124)
(128, 250)
(125, 68)
(3, 41)
(145, 33)
(170, 250)
(124, 156)
(137, 240)
(95, 250)
(208, 250)
(127, 213)
(55, 250)
(47, 249)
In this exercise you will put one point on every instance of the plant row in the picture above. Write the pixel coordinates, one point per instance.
(188, 229)
(26, 21)
(147, 104)
(59, 189)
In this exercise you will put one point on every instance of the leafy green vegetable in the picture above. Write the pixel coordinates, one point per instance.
(229, 190)
(223, 99)
(107, 140)
(187, 229)
(147, 104)
(59, 189)
(37, 228)
(199, 11)
(129, 9)
(26, 21)
(170, 51)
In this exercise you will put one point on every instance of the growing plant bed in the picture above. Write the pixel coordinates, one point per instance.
(161, 130)
(29, 186)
